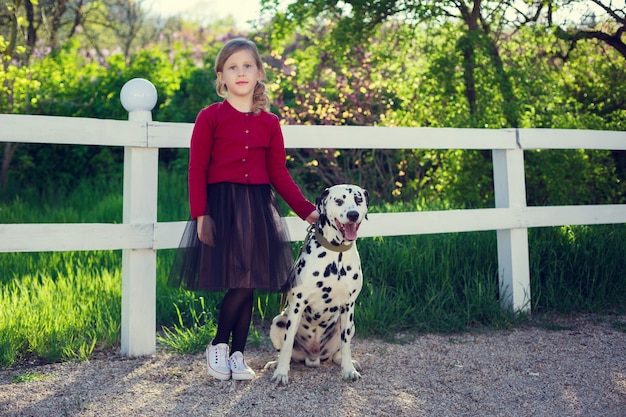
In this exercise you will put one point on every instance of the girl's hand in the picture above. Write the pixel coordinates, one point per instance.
(313, 217)
(206, 230)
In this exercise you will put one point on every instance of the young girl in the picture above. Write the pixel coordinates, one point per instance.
(236, 240)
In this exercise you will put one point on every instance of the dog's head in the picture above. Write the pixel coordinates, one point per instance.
(342, 208)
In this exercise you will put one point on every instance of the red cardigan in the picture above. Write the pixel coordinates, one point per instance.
(230, 146)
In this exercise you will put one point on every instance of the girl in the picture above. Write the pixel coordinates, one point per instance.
(235, 240)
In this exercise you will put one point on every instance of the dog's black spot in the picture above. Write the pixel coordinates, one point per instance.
(325, 296)
(340, 257)
(296, 310)
(330, 269)
(351, 317)
(319, 284)
(328, 300)
(334, 309)
(280, 324)
(349, 267)
(348, 332)
(306, 326)
(321, 254)
(355, 276)
(307, 309)
(342, 271)
(299, 295)
(288, 325)
(327, 289)
(317, 316)
(316, 273)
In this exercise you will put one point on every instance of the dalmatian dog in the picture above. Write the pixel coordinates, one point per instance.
(318, 321)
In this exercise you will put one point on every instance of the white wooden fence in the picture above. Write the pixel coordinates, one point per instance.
(140, 235)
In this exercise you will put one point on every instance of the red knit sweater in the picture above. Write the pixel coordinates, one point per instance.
(245, 148)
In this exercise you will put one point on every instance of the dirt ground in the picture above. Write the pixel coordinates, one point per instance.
(577, 367)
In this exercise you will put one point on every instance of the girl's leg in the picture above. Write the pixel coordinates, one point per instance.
(235, 317)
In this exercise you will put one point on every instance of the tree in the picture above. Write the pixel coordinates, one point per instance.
(31, 28)
(579, 20)
(360, 18)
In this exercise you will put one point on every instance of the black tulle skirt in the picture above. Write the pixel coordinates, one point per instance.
(252, 246)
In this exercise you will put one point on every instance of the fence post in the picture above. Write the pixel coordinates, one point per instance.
(510, 192)
(138, 336)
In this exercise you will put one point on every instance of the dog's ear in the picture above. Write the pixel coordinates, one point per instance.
(319, 201)
(367, 200)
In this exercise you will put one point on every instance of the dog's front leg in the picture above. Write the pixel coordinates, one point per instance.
(281, 374)
(348, 366)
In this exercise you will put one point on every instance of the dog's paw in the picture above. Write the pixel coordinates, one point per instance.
(350, 375)
(357, 365)
(280, 378)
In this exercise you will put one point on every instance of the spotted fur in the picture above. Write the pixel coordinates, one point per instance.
(318, 322)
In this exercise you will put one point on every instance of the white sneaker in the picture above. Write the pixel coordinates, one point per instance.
(239, 369)
(217, 361)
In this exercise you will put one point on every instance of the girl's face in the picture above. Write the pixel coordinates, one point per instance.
(240, 75)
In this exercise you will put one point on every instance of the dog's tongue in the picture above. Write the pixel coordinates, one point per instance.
(349, 231)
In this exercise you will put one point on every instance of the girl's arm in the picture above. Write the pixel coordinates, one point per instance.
(281, 180)
(199, 157)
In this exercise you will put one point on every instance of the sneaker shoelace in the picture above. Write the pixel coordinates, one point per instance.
(220, 353)
(238, 362)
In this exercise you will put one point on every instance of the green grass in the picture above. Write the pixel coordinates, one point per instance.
(64, 305)
(28, 377)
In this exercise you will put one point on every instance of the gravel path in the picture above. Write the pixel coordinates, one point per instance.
(578, 370)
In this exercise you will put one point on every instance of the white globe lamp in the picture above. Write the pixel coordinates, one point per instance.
(139, 96)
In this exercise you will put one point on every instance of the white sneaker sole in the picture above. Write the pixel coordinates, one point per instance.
(243, 377)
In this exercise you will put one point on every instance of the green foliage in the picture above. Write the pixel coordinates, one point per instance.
(565, 277)
(400, 75)
(565, 177)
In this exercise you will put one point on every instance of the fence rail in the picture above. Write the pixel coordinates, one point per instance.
(141, 235)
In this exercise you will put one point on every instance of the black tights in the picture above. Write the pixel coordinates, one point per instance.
(235, 317)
